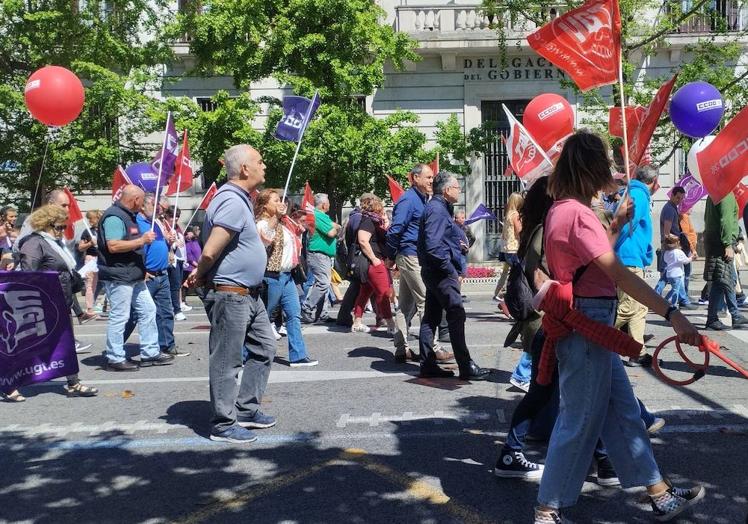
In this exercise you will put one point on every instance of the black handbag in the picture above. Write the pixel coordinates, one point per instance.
(299, 274)
(359, 265)
(76, 282)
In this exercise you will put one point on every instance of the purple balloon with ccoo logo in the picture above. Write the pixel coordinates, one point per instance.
(696, 109)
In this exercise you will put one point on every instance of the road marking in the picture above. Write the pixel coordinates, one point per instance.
(438, 417)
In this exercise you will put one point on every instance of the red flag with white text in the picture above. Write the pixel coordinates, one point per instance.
(651, 117)
(722, 164)
(527, 159)
(182, 178)
(209, 194)
(634, 115)
(584, 42)
(119, 181)
(396, 190)
(307, 204)
(74, 215)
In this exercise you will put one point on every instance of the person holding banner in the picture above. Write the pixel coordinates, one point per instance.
(42, 250)
(596, 397)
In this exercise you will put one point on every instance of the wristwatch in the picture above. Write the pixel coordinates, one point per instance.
(670, 312)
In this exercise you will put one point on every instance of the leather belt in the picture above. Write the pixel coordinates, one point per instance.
(156, 273)
(239, 290)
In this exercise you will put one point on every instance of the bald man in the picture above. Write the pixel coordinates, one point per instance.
(122, 272)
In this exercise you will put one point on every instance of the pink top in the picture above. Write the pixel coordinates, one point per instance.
(574, 237)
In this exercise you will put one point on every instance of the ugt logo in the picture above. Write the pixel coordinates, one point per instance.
(25, 323)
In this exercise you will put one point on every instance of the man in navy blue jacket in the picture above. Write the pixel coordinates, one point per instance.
(440, 245)
(402, 237)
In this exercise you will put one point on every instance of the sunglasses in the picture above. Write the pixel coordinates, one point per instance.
(60, 227)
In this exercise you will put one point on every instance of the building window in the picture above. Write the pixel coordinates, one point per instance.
(714, 16)
(206, 103)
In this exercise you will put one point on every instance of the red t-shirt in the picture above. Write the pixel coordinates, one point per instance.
(574, 237)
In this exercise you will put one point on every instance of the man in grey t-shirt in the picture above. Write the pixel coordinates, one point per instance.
(230, 270)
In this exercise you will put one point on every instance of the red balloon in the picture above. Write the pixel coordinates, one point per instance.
(54, 95)
(548, 118)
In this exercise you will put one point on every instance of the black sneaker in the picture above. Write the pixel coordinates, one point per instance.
(644, 361)
(304, 362)
(514, 465)
(162, 359)
(688, 307)
(548, 517)
(606, 474)
(739, 322)
(716, 325)
(175, 352)
(674, 501)
(258, 421)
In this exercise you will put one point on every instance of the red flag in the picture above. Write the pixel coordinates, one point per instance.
(741, 195)
(585, 42)
(634, 116)
(526, 157)
(307, 204)
(650, 118)
(119, 181)
(396, 190)
(434, 164)
(74, 215)
(209, 194)
(182, 178)
(722, 164)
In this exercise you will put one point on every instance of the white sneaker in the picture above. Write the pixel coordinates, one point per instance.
(275, 332)
(283, 331)
(524, 386)
(185, 307)
(180, 316)
(656, 426)
(360, 328)
(81, 347)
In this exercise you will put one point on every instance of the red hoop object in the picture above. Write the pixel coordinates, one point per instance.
(707, 347)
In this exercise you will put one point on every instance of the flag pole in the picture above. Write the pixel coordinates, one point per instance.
(298, 146)
(160, 168)
(179, 181)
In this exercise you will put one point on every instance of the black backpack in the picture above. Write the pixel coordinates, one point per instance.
(519, 293)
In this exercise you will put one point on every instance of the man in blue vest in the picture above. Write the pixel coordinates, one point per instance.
(122, 272)
(156, 256)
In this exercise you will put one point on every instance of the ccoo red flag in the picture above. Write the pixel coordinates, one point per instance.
(722, 164)
(649, 120)
(434, 164)
(634, 115)
(585, 42)
(396, 190)
(74, 215)
(119, 181)
(182, 178)
(307, 204)
(209, 194)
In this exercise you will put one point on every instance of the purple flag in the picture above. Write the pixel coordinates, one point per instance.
(297, 113)
(694, 192)
(36, 336)
(169, 151)
(481, 213)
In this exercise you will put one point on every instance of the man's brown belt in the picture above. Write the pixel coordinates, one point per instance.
(252, 291)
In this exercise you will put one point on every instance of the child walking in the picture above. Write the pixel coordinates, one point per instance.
(675, 261)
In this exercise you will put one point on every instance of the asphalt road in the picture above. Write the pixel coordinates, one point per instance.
(359, 439)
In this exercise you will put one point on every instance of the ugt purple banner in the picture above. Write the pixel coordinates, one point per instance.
(36, 336)
(297, 113)
(694, 192)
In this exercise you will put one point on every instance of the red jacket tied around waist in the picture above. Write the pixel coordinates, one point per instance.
(561, 319)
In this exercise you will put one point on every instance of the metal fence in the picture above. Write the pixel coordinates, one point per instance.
(498, 186)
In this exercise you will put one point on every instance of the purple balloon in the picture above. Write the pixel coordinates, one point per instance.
(142, 174)
(696, 109)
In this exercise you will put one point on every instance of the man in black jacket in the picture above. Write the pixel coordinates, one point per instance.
(440, 246)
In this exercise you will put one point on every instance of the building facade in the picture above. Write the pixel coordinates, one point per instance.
(461, 73)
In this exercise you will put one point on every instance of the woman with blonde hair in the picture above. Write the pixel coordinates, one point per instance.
(42, 250)
(510, 235)
(372, 244)
(282, 238)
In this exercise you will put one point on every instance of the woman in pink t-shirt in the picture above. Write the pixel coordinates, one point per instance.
(596, 396)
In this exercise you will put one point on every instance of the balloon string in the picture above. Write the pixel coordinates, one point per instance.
(41, 172)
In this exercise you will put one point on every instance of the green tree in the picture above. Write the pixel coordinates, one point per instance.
(104, 44)
(457, 147)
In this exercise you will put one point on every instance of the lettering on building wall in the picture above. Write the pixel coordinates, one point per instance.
(517, 68)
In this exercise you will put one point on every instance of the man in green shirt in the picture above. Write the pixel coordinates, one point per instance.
(720, 236)
(319, 259)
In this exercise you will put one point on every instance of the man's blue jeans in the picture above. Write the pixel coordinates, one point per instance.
(282, 290)
(596, 402)
(722, 292)
(160, 291)
(126, 300)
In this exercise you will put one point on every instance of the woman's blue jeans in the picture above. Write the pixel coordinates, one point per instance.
(282, 290)
(524, 368)
(596, 401)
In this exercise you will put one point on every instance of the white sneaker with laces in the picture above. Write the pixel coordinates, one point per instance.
(180, 316)
(275, 333)
(185, 307)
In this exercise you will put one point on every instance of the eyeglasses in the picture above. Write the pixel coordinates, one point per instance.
(60, 227)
